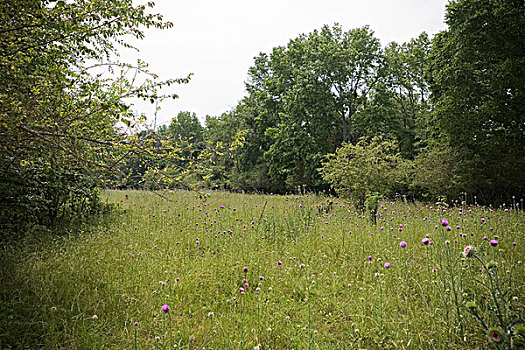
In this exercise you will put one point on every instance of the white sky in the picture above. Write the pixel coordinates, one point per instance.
(218, 40)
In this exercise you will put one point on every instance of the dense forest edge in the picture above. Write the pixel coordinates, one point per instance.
(331, 112)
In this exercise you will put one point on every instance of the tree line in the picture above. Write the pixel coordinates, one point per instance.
(332, 110)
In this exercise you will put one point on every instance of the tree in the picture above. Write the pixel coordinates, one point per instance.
(307, 95)
(64, 122)
(478, 72)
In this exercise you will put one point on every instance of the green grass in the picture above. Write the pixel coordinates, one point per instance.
(190, 253)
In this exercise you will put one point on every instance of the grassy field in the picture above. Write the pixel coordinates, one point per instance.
(269, 272)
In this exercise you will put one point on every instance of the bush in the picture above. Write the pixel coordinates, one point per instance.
(370, 166)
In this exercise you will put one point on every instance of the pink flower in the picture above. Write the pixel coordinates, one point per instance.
(165, 308)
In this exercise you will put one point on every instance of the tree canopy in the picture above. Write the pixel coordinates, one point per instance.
(63, 117)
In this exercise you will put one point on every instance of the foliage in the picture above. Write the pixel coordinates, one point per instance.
(64, 122)
(306, 95)
(441, 170)
(478, 70)
(371, 166)
(496, 307)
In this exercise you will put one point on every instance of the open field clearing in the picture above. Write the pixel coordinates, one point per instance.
(237, 271)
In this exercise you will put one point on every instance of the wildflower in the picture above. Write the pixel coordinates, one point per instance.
(241, 290)
(301, 266)
(425, 241)
(370, 257)
(482, 220)
(444, 222)
(495, 334)
(94, 317)
(387, 265)
(403, 244)
(494, 243)
(469, 251)
(165, 308)
(279, 262)
(53, 308)
(514, 243)
(261, 278)
(245, 269)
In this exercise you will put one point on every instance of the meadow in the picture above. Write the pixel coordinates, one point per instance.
(237, 271)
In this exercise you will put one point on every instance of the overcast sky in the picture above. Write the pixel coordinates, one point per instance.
(217, 40)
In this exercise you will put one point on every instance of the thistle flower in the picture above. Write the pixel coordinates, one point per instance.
(495, 334)
(165, 308)
(387, 265)
(425, 241)
(403, 244)
(469, 251)
(444, 222)
(494, 243)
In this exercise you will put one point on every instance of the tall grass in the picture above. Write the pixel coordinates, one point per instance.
(315, 276)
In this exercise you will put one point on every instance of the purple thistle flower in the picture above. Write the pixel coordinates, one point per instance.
(425, 241)
(444, 222)
(403, 244)
(387, 265)
(165, 308)
(493, 242)
(241, 290)
(495, 335)
(370, 257)
(514, 243)
(261, 278)
(245, 269)
(279, 262)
